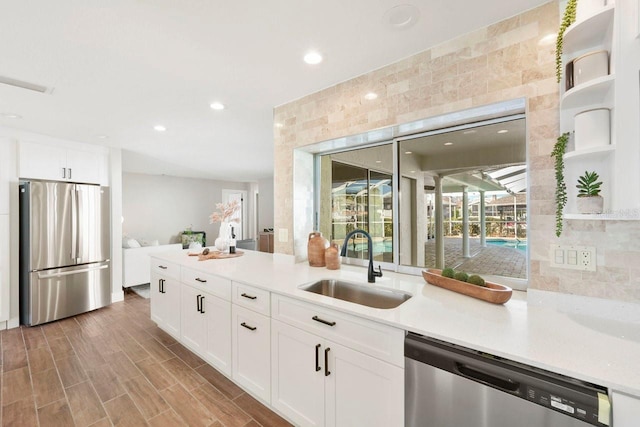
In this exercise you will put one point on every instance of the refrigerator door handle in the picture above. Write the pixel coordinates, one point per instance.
(67, 273)
(74, 224)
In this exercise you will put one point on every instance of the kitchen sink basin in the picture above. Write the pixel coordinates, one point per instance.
(370, 296)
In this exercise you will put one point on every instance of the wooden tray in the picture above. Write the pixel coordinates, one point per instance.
(493, 293)
(217, 255)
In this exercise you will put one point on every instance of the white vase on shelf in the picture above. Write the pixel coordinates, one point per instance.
(222, 242)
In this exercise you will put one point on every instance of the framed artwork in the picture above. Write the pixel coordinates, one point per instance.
(189, 237)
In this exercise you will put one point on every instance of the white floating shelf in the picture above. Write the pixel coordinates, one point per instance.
(596, 91)
(604, 217)
(589, 152)
(588, 32)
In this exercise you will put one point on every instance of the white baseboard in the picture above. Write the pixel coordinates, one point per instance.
(117, 296)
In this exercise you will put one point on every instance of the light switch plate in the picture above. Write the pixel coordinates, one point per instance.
(283, 235)
(573, 257)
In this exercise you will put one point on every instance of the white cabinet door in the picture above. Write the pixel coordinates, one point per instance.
(297, 368)
(52, 162)
(84, 166)
(165, 303)
(625, 410)
(361, 390)
(193, 321)
(42, 161)
(251, 340)
(218, 332)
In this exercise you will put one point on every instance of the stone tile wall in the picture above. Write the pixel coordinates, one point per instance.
(500, 62)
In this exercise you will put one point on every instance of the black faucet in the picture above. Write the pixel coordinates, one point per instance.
(372, 274)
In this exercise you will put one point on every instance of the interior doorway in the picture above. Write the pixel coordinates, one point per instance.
(241, 215)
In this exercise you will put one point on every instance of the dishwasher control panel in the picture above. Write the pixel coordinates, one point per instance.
(583, 411)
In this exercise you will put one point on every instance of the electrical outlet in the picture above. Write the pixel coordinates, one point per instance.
(573, 257)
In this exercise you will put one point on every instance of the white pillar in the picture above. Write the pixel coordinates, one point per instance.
(465, 223)
(483, 222)
(439, 231)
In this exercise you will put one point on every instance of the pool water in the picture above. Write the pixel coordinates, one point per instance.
(520, 245)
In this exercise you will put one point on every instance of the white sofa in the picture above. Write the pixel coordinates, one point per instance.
(135, 263)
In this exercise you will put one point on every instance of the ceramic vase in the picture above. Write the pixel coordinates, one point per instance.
(222, 242)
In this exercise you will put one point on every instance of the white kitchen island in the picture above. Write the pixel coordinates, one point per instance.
(315, 373)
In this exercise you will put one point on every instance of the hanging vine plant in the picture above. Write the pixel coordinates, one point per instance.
(568, 19)
(561, 188)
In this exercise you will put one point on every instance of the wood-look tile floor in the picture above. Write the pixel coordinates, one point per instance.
(114, 366)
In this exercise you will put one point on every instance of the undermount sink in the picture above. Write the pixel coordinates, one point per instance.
(370, 296)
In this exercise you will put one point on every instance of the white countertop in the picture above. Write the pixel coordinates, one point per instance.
(592, 340)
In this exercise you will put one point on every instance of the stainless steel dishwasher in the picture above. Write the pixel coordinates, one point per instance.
(452, 386)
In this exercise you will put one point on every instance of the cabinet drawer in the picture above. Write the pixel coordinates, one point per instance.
(252, 298)
(372, 338)
(165, 268)
(215, 285)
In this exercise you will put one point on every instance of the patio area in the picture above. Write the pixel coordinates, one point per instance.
(495, 260)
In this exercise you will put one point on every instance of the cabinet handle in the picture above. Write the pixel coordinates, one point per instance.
(198, 303)
(64, 172)
(164, 267)
(69, 173)
(317, 358)
(326, 362)
(162, 286)
(200, 280)
(202, 304)
(248, 296)
(251, 328)
(326, 322)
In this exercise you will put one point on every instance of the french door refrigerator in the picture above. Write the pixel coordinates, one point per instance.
(64, 250)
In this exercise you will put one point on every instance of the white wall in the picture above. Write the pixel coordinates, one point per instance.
(160, 207)
(265, 204)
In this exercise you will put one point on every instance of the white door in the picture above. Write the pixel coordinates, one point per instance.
(251, 349)
(297, 369)
(192, 319)
(241, 197)
(361, 390)
(218, 329)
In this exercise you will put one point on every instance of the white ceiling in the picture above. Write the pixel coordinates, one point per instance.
(120, 67)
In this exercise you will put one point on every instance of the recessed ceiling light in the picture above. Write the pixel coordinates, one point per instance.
(10, 116)
(548, 39)
(468, 132)
(412, 171)
(313, 58)
(217, 106)
(160, 128)
(371, 96)
(102, 137)
(408, 152)
(378, 161)
(401, 17)
(448, 143)
(503, 131)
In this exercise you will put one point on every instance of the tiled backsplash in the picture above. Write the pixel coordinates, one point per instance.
(503, 61)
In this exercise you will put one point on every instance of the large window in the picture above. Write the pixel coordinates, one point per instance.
(458, 197)
(359, 198)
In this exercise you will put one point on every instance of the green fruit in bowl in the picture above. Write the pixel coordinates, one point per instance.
(448, 272)
(461, 275)
(476, 280)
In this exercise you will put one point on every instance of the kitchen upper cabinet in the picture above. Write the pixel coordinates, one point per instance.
(56, 163)
(625, 410)
(165, 302)
(251, 339)
(206, 326)
(318, 382)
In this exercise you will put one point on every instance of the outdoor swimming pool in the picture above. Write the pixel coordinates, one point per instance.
(520, 245)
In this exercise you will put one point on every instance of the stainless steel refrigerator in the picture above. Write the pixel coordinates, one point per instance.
(64, 250)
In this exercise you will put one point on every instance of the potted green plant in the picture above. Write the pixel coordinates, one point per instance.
(589, 199)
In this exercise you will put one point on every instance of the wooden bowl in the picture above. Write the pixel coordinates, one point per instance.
(493, 293)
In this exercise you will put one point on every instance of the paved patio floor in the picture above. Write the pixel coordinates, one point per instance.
(496, 260)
